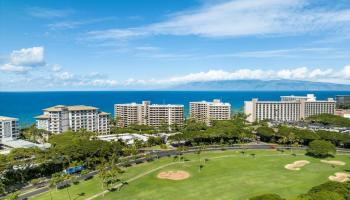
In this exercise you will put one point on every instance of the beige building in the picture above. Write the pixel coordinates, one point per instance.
(148, 114)
(131, 113)
(203, 111)
(170, 114)
(60, 118)
(289, 109)
(343, 113)
(8, 128)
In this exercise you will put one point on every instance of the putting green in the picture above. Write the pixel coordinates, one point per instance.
(227, 175)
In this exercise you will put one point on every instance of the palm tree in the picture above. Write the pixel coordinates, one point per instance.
(71, 179)
(200, 167)
(102, 174)
(52, 184)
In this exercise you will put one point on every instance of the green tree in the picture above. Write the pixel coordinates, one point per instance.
(267, 197)
(321, 148)
(2, 188)
(13, 196)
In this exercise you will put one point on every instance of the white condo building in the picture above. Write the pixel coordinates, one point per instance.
(8, 128)
(289, 109)
(148, 114)
(206, 112)
(60, 118)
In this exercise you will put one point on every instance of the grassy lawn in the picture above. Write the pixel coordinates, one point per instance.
(227, 175)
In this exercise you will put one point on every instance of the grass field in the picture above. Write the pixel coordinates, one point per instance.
(227, 175)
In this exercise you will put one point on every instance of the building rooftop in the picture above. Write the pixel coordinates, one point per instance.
(81, 107)
(3, 118)
(44, 116)
(166, 105)
(17, 143)
(104, 113)
(71, 108)
(215, 102)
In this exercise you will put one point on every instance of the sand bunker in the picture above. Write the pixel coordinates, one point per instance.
(297, 165)
(174, 175)
(340, 177)
(333, 162)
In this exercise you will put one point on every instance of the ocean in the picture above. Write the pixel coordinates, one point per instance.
(27, 105)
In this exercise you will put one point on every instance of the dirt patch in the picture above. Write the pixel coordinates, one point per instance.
(174, 175)
(296, 165)
(340, 177)
(333, 162)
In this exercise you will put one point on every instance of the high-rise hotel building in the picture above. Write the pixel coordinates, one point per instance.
(60, 118)
(8, 128)
(206, 112)
(289, 109)
(148, 114)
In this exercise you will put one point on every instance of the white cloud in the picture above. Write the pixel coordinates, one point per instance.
(50, 75)
(28, 57)
(23, 60)
(346, 72)
(292, 52)
(75, 24)
(300, 73)
(13, 68)
(238, 18)
(64, 76)
(48, 12)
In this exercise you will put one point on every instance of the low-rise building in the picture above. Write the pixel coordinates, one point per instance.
(60, 118)
(343, 112)
(289, 109)
(206, 112)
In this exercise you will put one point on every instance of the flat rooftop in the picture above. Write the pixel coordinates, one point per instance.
(17, 143)
(4, 118)
(71, 108)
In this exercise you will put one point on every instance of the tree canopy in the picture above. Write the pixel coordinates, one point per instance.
(321, 148)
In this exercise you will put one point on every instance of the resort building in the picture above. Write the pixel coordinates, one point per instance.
(289, 109)
(8, 128)
(131, 113)
(158, 115)
(343, 100)
(148, 114)
(206, 112)
(60, 118)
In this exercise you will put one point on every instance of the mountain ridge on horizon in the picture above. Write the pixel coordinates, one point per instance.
(260, 85)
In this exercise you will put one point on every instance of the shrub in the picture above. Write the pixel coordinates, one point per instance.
(321, 149)
(267, 197)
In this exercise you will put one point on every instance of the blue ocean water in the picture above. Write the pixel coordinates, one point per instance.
(27, 105)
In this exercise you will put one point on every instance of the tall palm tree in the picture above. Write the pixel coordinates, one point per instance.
(52, 184)
(68, 178)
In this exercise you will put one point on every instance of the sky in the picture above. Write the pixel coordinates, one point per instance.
(142, 44)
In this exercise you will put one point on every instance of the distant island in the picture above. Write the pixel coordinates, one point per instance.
(261, 85)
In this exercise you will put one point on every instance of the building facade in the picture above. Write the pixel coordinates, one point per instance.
(148, 114)
(158, 115)
(60, 118)
(131, 113)
(289, 109)
(206, 112)
(342, 100)
(8, 128)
